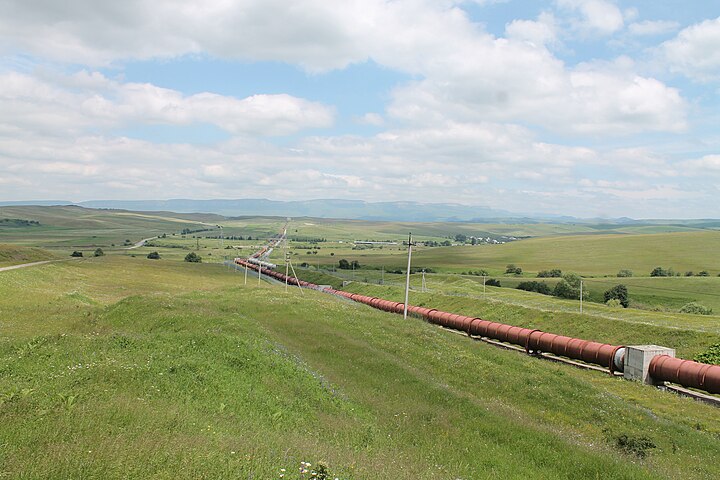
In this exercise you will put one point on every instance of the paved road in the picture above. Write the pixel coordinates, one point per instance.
(141, 243)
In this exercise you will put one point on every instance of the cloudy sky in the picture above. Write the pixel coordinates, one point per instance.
(578, 107)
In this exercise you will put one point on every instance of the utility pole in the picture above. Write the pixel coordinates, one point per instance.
(222, 243)
(246, 269)
(382, 275)
(484, 285)
(581, 288)
(259, 274)
(287, 263)
(423, 281)
(407, 277)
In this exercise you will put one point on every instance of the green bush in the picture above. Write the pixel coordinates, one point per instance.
(533, 286)
(569, 287)
(625, 273)
(614, 303)
(98, 252)
(492, 282)
(76, 254)
(154, 256)
(637, 446)
(511, 268)
(554, 273)
(695, 308)
(193, 257)
(711, 355)
(619, 293)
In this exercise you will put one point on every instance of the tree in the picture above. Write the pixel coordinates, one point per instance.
(461, 238)
(76, 254)
(659, 272)
(555, 272)
(618, 292)
(625, 273)
(492, 282)
(98, 252)
(193, 257)
(512, 268)
(569, 287)
(154, 256)
(343, 264)
(533, 286)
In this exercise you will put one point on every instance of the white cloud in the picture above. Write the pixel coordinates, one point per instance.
(652, 27)
(89, 100)
(464, 73)
(708, 164)
(374, 119)
(596, 16)
(694, 52)
(540, 32)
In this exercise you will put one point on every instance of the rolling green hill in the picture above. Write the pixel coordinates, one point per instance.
(16, 255)
(585, 254)
(129, 368)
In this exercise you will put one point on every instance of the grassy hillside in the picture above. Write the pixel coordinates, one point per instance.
(586, 254)
(75, 226)
(123, 371)
(16, 255)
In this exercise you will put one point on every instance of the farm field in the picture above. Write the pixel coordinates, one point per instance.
(126, 367)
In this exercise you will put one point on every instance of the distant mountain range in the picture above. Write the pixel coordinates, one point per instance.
(353, 210)
(323, 208)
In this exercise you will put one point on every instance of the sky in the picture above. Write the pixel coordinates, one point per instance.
(591, 108)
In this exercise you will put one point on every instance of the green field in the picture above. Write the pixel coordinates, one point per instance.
(121, 367)
(589, 255)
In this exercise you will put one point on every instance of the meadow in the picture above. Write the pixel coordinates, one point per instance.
(121, 367)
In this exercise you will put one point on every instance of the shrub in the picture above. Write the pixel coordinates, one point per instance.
(695, 308)
(492, 282)
(193, 257)
(154, 256)
(689, 274)
(659, 272)
(533, 286)
(76, 254)
(554, 273)
(637, 446)
(569, 287)
(98, 252)
(511, 268)
(625, 273)
(704, 273)
(614, 303)
(711, 355)
(619, 293)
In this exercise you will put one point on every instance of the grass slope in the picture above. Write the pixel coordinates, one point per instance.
(16, 255)
(76, 226)
(236, 382)
(586, 254)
